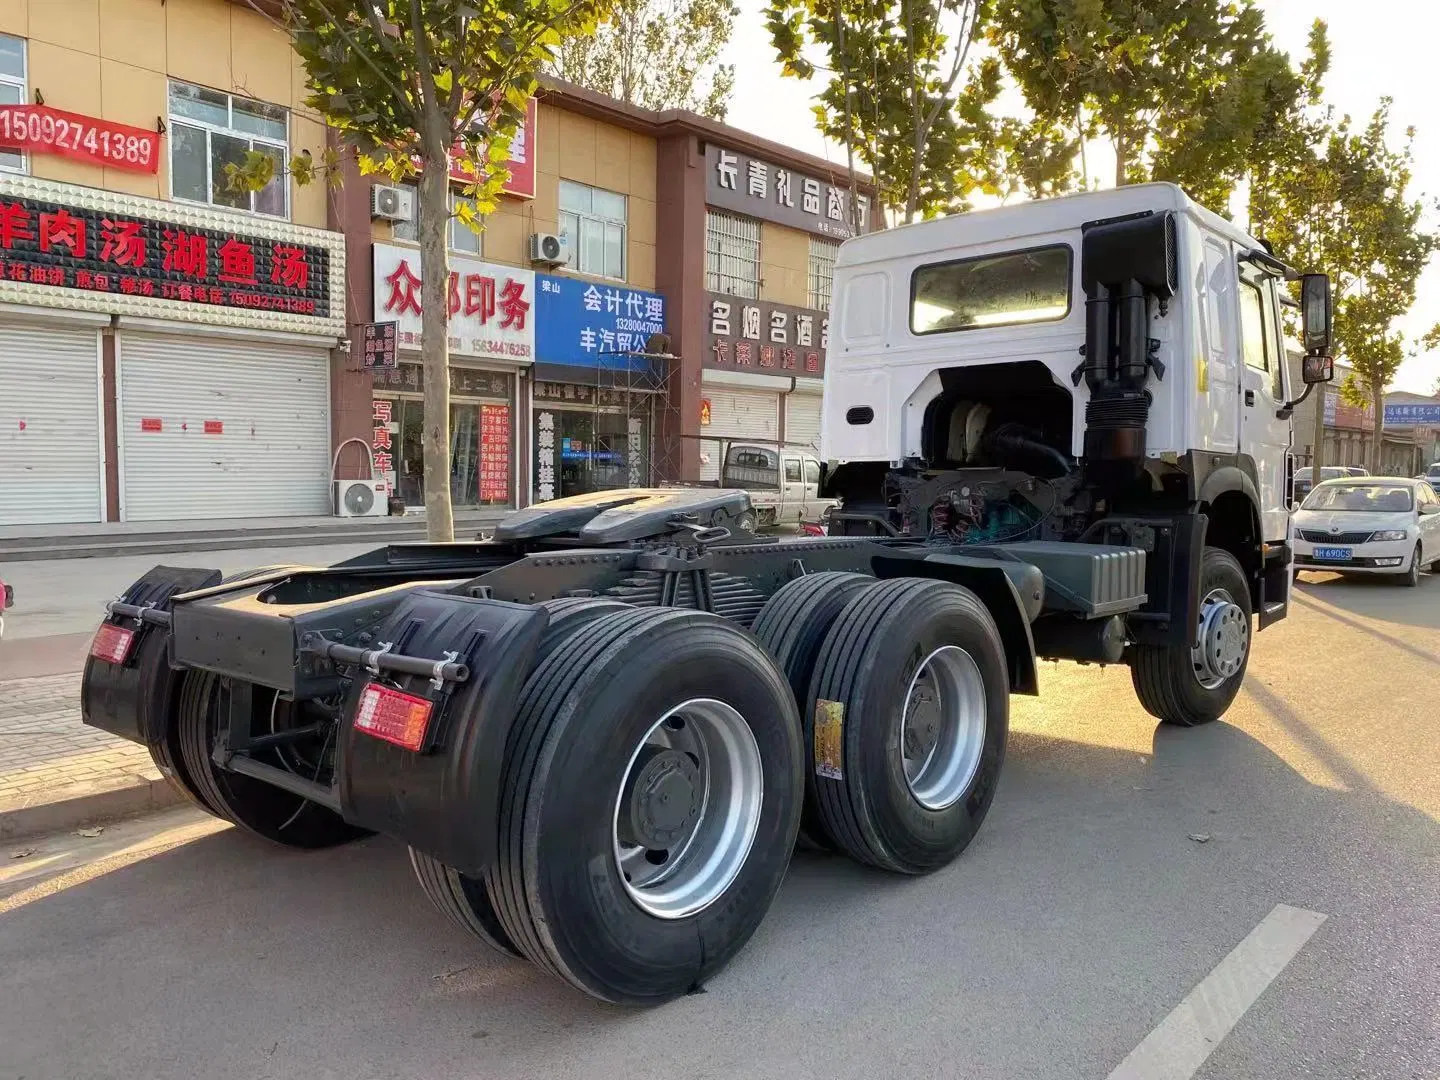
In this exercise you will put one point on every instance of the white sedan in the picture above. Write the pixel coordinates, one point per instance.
(1369, 525)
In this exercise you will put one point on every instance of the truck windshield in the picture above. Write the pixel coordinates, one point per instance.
(991, 290)
(1377, 498)
(751, 467)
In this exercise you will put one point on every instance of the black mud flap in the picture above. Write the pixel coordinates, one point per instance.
(133, 699)
(443, 799)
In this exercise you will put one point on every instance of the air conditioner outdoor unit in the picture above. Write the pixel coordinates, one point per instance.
(361, 498)
(392, 203)
(549, 249)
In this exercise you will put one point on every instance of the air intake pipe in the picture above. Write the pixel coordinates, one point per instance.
(1125, 263)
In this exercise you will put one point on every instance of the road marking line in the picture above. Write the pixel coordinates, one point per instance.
(1180, 1043)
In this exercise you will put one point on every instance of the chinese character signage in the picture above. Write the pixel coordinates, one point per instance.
(588, 323)
(43, 130)
(494, 453)
(100, 251)
(748, 185)
(381, 345)
(1412, 414)
(523, 149)
(491, 307)
(1342, 414)
(764, 338)
(382, 442)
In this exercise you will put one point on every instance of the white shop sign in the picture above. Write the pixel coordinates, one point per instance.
(492, 307)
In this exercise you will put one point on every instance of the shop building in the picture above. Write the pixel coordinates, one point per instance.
(174, 349)
(669, 224)
(166, 343)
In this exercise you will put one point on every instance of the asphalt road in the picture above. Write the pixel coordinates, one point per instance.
(1082, 916)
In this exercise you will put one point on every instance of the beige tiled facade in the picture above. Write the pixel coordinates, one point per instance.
(112, 59)
(574, 147)
(784, 265)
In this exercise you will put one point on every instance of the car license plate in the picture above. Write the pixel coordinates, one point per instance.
(1333, 554)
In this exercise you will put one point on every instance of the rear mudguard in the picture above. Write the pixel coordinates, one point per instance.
(134, 700)
(444, 799)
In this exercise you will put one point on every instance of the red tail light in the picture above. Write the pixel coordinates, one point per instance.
(112, 643)
(393, 715)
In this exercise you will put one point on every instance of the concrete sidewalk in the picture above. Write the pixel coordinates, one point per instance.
(56, 773)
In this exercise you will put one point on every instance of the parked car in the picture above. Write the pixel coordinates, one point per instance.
(1303, 481)
(1353, 470)
(784, 485)
(1369, 525)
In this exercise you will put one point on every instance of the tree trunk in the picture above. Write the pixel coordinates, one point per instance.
(1377, 434)
(1318, 454)
(435, 345)
(1122, 159)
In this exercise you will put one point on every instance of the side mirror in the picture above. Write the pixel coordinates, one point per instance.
(1317, 369)
(1315, 317)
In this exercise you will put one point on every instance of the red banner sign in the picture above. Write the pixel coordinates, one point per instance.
(523, 150)
(494, 453)
(43, 130)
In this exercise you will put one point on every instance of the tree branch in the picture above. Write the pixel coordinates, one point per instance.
(349, 39)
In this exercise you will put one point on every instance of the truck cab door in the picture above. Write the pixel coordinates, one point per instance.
(792, 489)
(1264, 436)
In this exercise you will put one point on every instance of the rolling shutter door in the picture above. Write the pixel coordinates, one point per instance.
(802, 421)
(50, 446)
(737, 415)
(244, 428)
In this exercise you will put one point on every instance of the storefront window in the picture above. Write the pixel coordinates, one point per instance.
(589, 439)
(481, 435)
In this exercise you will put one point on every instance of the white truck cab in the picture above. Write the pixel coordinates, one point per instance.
(1106, 367)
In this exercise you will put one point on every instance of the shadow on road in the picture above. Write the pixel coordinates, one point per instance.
(1082, 913)
(1373, 597)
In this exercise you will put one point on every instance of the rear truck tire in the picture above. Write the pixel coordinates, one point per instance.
(909, 709)
(747, 522)
(1411, 578)
(1186, 686)
(649, 803)
(792, 626)
(259, 808)
(464, 899)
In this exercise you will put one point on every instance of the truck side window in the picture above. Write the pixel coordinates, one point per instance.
(792, 471)
(1273, 339)
(1252, 326)
(812, 472)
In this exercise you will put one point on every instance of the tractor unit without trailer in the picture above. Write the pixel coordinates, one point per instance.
(601, 731)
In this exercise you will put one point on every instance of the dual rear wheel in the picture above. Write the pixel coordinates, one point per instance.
(646, 824)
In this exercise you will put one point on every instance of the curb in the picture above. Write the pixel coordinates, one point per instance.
(139, 795)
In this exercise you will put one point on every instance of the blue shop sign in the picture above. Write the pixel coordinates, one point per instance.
(591, 324)
(1408, 414)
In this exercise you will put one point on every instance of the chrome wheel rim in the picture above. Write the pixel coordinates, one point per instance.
(1221, 641)
(942, 732)
(688, 809)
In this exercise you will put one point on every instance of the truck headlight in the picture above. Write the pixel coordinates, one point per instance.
(1389, 534)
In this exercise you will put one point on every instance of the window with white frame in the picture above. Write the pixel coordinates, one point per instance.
(592, 223)
(462, 238)
(12, 91)
(732, 255)
(822, 271)
(209, 130)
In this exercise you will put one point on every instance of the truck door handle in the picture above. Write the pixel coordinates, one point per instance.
(1249, 397)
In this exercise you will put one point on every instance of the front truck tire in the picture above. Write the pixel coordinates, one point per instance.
(909, 709)
(255, 806)
(792, 626)
(649, 804)
(1187, 686)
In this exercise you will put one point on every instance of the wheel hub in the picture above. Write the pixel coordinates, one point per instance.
(664, 799)
(942, 730)
(1222, 640)
(922, 720)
